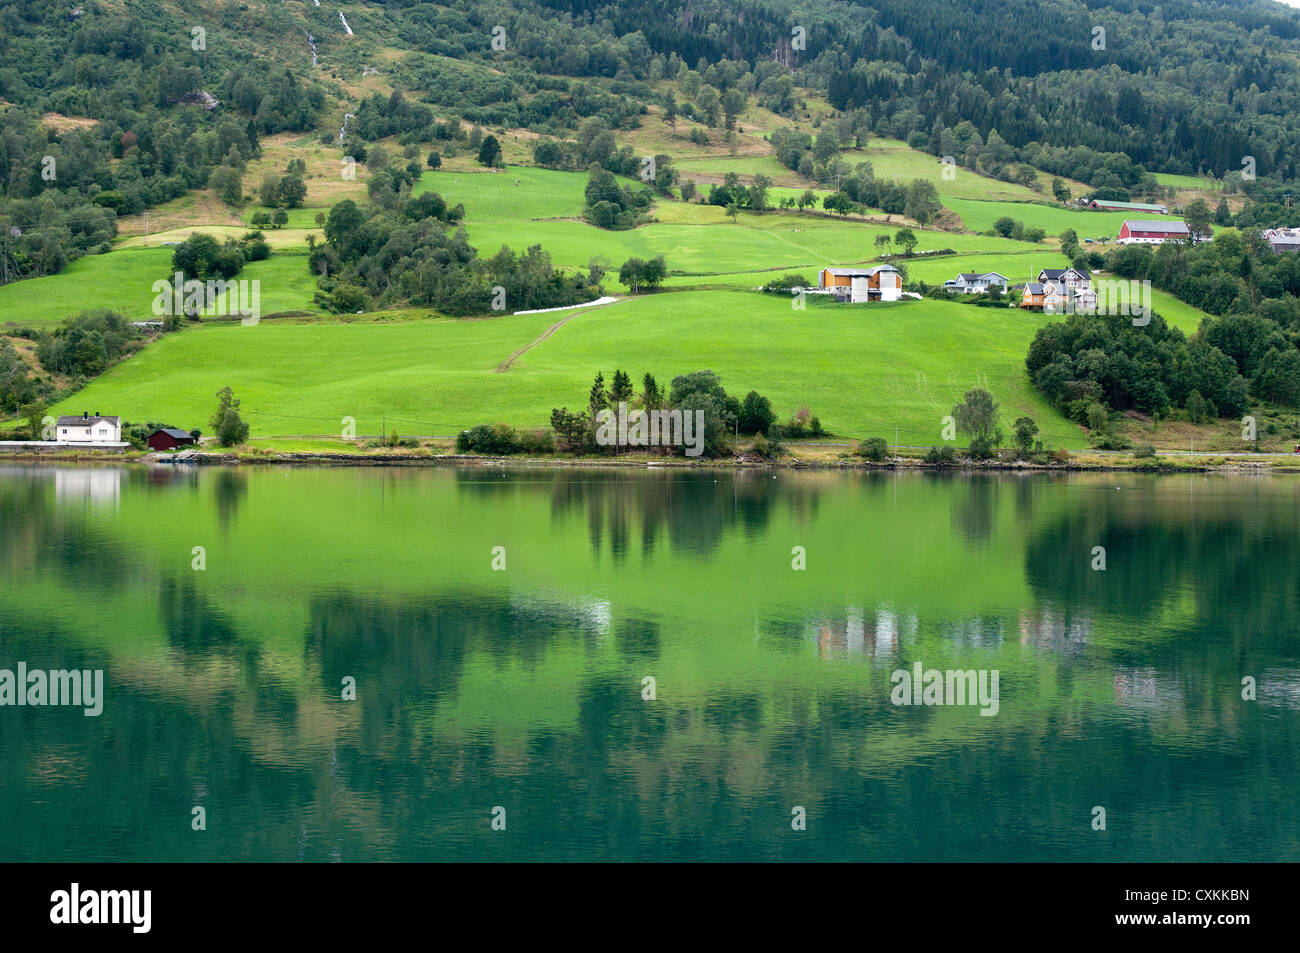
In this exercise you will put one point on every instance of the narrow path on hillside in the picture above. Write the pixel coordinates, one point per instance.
(509, 361)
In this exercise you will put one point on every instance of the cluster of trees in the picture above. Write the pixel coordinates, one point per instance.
(201, 256)
(643, 275)
(1008, 227)
(167, 119)
(576, 432)
(412, 253)
(1234, 273)
(1103, 361)
(287, 190)
(18, 384)
(1266, 207)
(1253, 294)
(1032, 74)
(87, 344)
(859, 189)
(732, 193)
(814, 158)
(610, 205)
(595, 146)
(380, 117)
(991, 102)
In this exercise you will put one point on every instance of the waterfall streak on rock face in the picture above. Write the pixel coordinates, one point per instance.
(343, 129)
(311, 41)
(345, 23)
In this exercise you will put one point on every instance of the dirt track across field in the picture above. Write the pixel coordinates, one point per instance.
(509, 361)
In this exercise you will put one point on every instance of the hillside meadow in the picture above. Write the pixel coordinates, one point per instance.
(864, 370)
(120, 280)
(979, 216)
(123, 281)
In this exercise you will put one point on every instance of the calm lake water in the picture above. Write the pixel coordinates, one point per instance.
(523, 688)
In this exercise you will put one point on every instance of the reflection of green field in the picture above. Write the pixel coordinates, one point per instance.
(292, 538)
(863, 369)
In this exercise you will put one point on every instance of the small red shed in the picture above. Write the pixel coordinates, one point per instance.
(169, 439)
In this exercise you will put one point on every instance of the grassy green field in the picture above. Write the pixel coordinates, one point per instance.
(1188, 181)
(1018, 267)
(891, 159)
(1179, 314)
(862, 369)
(753, 242)
(286, 282)
(716, 167)
(121, 280)
(275, 237)
(980, 215)
(494, 197)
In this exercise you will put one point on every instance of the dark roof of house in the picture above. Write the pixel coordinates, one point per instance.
(173, 432)
(86, 421)
(976, 275)
(1034, 288)
(1055, 274)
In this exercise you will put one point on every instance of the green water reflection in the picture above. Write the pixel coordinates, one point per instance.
(523, 688)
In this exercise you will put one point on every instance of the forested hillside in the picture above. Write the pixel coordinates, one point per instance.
(152, 98)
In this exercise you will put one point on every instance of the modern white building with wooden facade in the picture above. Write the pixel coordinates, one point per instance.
(877, 283)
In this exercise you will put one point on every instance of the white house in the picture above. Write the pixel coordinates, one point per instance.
(973, 283)
(1060, 290)
(89, 428)
(1070, 278)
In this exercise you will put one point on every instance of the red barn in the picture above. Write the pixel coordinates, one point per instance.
(169, 439)
(1151, 233)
